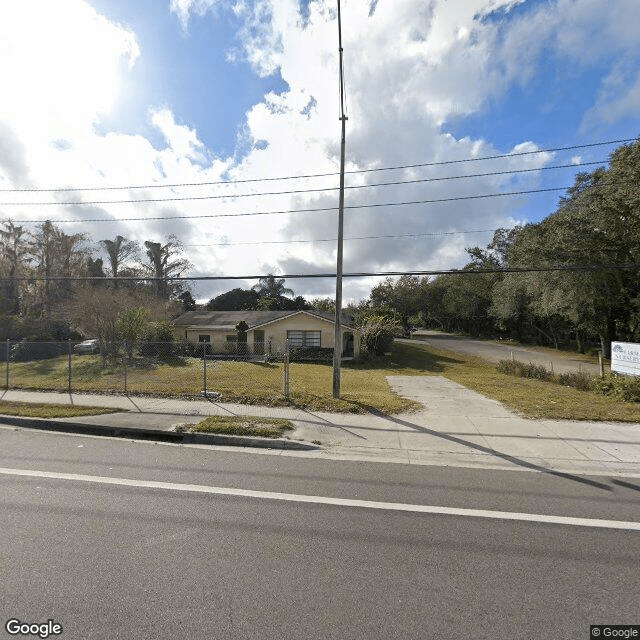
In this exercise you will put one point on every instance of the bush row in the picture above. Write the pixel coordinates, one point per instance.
(624, 388)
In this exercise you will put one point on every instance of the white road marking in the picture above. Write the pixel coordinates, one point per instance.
(341, 502)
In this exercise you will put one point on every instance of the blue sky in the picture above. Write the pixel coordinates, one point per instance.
(104, 93)
(187, 71)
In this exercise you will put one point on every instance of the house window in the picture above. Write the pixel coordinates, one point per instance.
(204, 338)
(303, 338)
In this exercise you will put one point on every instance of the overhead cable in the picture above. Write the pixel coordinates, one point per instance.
(296, 191)
(406, 235)
(354, 274)
(313, 210)
(156, 185)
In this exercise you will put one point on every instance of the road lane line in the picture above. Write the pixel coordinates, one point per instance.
(341, 502)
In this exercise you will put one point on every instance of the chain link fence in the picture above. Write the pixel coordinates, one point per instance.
(178, 369)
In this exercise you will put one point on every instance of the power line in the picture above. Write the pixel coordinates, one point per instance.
(354, 274)
(292, 191)
(314, 210)
(406, 235)
(319, 175)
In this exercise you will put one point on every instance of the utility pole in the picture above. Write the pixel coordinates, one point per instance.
(337, 345)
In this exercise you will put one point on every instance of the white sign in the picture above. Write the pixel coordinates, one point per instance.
(625, 358)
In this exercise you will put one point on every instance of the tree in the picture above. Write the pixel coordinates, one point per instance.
(401, 296)
(95, 270)
(130, 326)
(281, 303)
(166, 262)
(270, 287)
(187, 301)
(95, 312)
(58, 257)
(119, 251)
(241, 336)
(14, 260)
(234, 300)
(326, 305)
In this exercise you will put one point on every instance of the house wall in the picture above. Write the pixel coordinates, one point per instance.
(275, 333)
(215, 335)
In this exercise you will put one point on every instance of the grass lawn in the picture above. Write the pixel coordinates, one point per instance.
(531, 398)
(243, 426)
(39, 410)
(363, 385)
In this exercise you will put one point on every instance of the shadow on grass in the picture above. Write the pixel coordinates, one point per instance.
(263, 364)
(406, 356)
(44, 367)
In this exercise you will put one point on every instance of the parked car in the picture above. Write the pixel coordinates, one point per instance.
(88, 346)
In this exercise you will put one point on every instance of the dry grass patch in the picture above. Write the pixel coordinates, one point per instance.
(41, 410)
(243, 426)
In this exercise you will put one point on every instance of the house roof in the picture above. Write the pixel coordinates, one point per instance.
(229, 319)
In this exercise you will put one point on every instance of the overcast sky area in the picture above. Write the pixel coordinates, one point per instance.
(227, 98)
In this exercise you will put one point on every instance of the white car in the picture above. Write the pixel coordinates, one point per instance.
(88, 346)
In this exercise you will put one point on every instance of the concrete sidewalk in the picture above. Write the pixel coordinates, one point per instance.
(456, 427)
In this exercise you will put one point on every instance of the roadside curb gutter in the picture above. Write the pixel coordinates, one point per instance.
(159, 435)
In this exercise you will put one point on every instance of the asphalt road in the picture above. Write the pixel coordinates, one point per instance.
(494, 352)
(107, 554)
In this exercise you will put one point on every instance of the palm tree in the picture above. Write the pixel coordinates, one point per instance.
(269, 287)
(118, 251)
(165, 263)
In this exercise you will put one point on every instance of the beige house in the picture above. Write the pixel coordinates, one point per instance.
(268, 331)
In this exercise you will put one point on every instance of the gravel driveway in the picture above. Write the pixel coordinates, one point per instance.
(495, 351)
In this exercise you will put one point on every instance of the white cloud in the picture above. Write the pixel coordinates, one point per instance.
(182, 139)
(618, 98)
(411, 67)
(61, 66)
(184, 9)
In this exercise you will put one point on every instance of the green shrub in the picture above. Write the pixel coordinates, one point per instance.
(525, 370)
(508, 367)
(578, 379)
(536, 371)
(377, 335)
(311, 354)
(625, 388)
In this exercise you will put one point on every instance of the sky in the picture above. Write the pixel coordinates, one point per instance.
(219, 121)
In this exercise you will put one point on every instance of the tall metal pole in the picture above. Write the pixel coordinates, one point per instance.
(337, 348)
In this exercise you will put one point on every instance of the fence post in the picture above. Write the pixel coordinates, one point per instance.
(204, 367)
(600, 362)
(285, 373)
(8, 354)
(69, 352)
(124, 360)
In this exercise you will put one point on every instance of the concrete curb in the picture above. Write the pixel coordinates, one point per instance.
(158, 435)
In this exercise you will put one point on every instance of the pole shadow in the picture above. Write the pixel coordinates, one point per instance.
(498, 454)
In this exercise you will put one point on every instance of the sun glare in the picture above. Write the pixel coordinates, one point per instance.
(67, 65)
